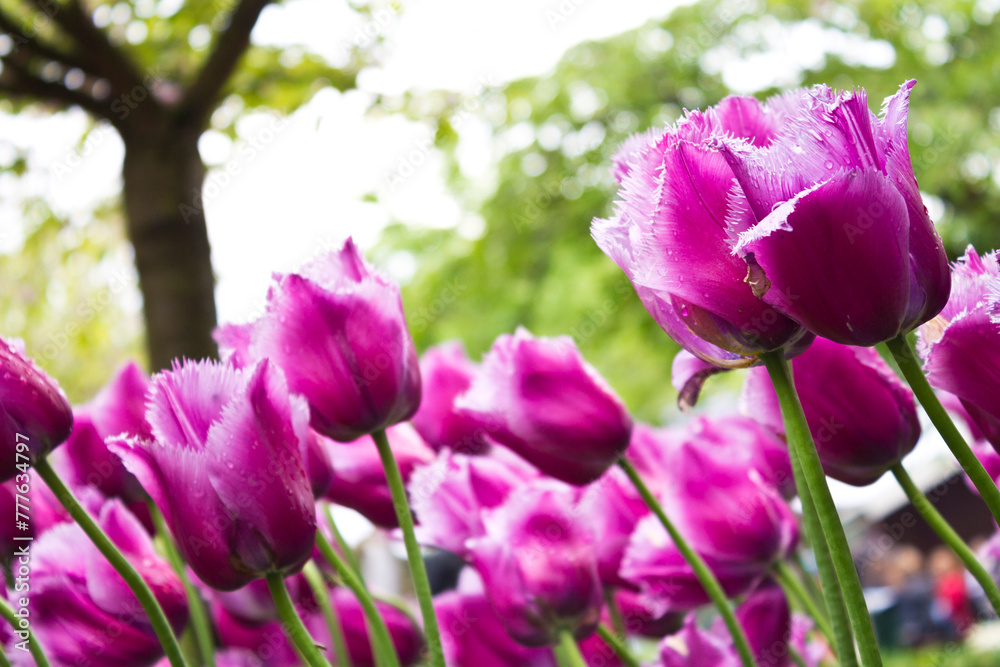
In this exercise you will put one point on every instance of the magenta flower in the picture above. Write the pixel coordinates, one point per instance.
(961, 346)
(358, 477)
(225, 467)
(613, 509)
(79, 603)
(670, 236)
(537, 562)
(336, 328)
(726, 511)
(267, 639)
(35, 416)
(540, 398)
(451, 495)
(861, 415)
(764, 617)
(831, 218)
(447, 373)
(472, 633)
(749, 219)
(118, 409)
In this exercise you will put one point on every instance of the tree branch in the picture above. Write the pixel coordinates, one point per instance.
(36, 47)
(201, 96)
(18, 81)
(105, 60)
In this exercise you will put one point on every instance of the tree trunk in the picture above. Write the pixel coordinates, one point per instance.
(163, 175)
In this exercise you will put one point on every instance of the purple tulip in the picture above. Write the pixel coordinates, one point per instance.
(358, 477)
(669, 235)
(613, 508)
(267, 639)
(82, 611)
(813, 650)
(318, 465)
(640, 620)
(764, 617)
(225, 468)
(447, 373)
(472, 633)
(861, 415)
(35, 416)
(336, 328)
(450, 495)
(118, 409)
(537, 562)
(726, 511)
(961, 346)
(742, 220)
(831, 219)
(540, 398)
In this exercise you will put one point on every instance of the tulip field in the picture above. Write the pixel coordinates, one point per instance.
(785, 236)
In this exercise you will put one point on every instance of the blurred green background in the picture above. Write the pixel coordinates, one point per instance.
(533, 262)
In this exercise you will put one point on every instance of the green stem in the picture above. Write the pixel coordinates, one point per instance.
(315, 579)
(295, 629)
(908, 364)
(569, 651)
(796, 591)
(617, 622)
(34, 647)
(831, 595)
(800, 439)
(948, 535)
(810, 582)
(4, 662)
(701, 570)
(199, 617)
(345, 548)
(611, 638)
(418, 571)
(104, 544)
(378, 633)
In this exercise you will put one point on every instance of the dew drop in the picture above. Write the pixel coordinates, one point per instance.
(829, 164)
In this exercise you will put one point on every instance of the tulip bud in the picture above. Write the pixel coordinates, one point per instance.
(472, 633)
(961, 346)
(540, 398)
(447, 373)
(735, 520)
(450, 495)
(862, 416)
(35, 416)
(359, 480)
(537, 562)
(336, 329)
(78, 600)
(226, 470)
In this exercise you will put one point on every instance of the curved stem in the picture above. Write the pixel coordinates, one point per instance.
(199, 617)
(378, 633)
(295, 629)
(831, 595)
(814, 592)
(701, 570)
(948, 535)
(610, 637)
(614, 611)
(418, 571)
(4, 662)
(568, 650)
(800, 439)
(795, 590)
(906, 359)
(315, 579)
(345, 548)
(33, 646)
(104, 544)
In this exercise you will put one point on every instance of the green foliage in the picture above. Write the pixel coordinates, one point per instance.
(68, 288)
(536, 264)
